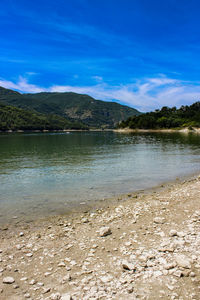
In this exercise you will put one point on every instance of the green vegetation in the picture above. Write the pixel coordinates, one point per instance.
(12, 118)
(186, 116)
(71, 106)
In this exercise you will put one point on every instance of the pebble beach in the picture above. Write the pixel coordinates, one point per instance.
(145, 245)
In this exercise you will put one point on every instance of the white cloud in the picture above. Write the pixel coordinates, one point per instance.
(31, 73)
(97, 78)
(147, 94)
(22, 86)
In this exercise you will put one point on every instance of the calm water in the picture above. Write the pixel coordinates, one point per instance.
(49, 173)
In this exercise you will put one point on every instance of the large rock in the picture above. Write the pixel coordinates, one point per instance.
(106, 278)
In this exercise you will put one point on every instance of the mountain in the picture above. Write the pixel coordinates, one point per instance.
(185, 116)
(13, 118)
(72, 106)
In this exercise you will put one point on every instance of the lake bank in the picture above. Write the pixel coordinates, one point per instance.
(181, 130)
(59, 131)
(123, 130)
(145, 247)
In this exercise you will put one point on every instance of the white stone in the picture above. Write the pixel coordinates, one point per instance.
(181, 234)
(29, 254)
(128, 244)
(157, 273)
(169, 266)
(61, 264)
(183, 261)
(8, 280)
(85, 220)
(32, 282)
(104, 231)
(46, 290)
(23, 278)
(73, 263)
(66, 278)
(177, 273)
(55, 296)
(172, 232)
(106, 279)
(165, 272)
(19, 247)
(127, 265)
(159, 220)
(66, 297)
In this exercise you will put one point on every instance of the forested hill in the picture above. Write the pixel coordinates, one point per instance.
(186, 116)
(12, 118)
(71, 106)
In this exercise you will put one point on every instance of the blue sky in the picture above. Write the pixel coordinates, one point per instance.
(142, 53)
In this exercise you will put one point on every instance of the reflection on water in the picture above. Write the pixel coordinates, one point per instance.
(47, 173)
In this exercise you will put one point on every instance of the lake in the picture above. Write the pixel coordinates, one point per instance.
(50, 173)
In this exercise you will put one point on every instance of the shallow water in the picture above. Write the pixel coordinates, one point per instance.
(49, 173)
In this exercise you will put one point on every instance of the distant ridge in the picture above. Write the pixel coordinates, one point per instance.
(14, 119)
(71, 106)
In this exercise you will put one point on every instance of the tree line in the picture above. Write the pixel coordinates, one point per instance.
(185, 116)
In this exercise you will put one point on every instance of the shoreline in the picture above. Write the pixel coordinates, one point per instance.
(120, 130)
(144, 246)
(181, 130)
(92, 205)
(58, 131)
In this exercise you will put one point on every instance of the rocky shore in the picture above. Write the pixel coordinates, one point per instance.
(181, 130)
(145, 247)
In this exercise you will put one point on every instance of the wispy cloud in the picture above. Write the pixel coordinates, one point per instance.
(12, 60)
(147, 94)
(22, 85)
(97, 78)
(64, 29)
(57, 27)
(31, 73)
